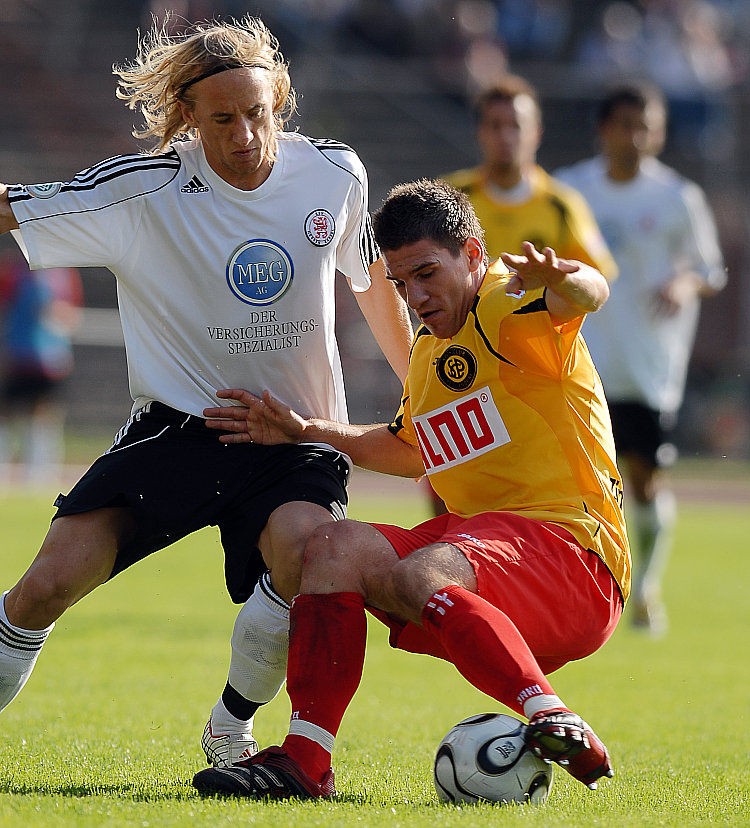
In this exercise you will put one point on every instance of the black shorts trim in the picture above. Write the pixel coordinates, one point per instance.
(176, 477)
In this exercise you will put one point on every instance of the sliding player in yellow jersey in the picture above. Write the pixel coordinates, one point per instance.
(530, 568)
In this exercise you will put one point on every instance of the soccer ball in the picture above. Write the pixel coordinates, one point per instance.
(485, 758)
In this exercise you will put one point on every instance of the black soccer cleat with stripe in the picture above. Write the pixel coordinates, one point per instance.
(565, 738)
(270, 774)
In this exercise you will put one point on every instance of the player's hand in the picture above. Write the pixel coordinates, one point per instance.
(254, 419)
(7, 219)
(535, 269)
(671, 297)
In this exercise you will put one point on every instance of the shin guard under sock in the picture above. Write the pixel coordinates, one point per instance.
(487, 649)
(326, 656)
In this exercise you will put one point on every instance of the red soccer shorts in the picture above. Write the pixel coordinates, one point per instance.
(561, 597)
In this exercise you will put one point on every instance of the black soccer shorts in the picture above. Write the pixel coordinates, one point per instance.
(644, 432)
(177, 477)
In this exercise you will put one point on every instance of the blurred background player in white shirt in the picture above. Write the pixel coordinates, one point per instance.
(662, 234)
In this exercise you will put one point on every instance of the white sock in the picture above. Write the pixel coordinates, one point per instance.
(260, 645)
(222, 721)
(653, 522)
(19, 650)
(541, 703)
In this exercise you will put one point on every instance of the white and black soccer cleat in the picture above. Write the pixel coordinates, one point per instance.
(226, 749)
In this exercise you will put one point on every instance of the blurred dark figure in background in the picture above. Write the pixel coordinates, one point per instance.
(40, 310)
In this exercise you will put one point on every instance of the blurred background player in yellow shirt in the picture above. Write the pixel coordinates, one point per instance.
(514, 198)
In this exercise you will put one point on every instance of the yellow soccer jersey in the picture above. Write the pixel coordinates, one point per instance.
(510, 415)
(554, 215)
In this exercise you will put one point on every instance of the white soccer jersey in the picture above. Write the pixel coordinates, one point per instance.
(654, 225)
(217, 287)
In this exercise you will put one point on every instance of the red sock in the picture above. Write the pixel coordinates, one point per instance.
(326, 654)
(485, 646)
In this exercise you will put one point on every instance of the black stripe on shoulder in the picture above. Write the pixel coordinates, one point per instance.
(130, 163)
(480, 331)
(116, 167)
(329, 143)
(537, 306)
(124, 165)
(323, 145)
(368, 247)
(421, 331)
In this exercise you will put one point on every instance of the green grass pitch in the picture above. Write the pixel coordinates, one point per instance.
(106, 733)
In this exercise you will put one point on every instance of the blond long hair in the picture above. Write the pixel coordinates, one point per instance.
(166, 65)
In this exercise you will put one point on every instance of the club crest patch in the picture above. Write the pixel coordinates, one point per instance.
(320, 227)
(44, 190)
(259, 272)
(457, 368)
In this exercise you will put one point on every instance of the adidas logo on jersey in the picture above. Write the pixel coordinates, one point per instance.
(195, 185)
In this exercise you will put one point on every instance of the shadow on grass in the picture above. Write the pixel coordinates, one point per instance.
(137, 793)
(133, 793)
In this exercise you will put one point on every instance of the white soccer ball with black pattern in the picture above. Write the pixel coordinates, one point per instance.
(485, 758)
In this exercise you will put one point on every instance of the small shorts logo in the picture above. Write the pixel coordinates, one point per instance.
(457, 368)
(259, 272)
(44, 190)
(320, 227)
(472, 538)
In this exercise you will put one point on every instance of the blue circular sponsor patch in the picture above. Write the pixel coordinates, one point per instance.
(259, 272)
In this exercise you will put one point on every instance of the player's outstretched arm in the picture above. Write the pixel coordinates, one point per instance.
(268, 421)
(573, 288)
(7, 219)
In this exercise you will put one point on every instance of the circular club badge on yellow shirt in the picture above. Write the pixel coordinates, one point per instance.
(457, 368)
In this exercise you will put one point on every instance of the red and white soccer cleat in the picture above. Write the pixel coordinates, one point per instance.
(566, 739)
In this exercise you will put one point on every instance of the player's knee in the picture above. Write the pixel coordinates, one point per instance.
(333, 552)
(324, 547)
(289, 528)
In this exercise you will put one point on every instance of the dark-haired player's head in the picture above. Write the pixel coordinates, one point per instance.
(433, 246)
(426, 209)
(632, 122)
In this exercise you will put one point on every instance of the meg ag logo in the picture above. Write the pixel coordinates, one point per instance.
(259, 272)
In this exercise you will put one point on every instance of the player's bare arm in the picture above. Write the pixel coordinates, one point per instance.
(388, 317)
(268, 421)
(678, 291)
(573, 288)
(7, 219)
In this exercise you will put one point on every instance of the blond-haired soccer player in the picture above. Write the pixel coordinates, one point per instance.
(225, 241)
(530, 568)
